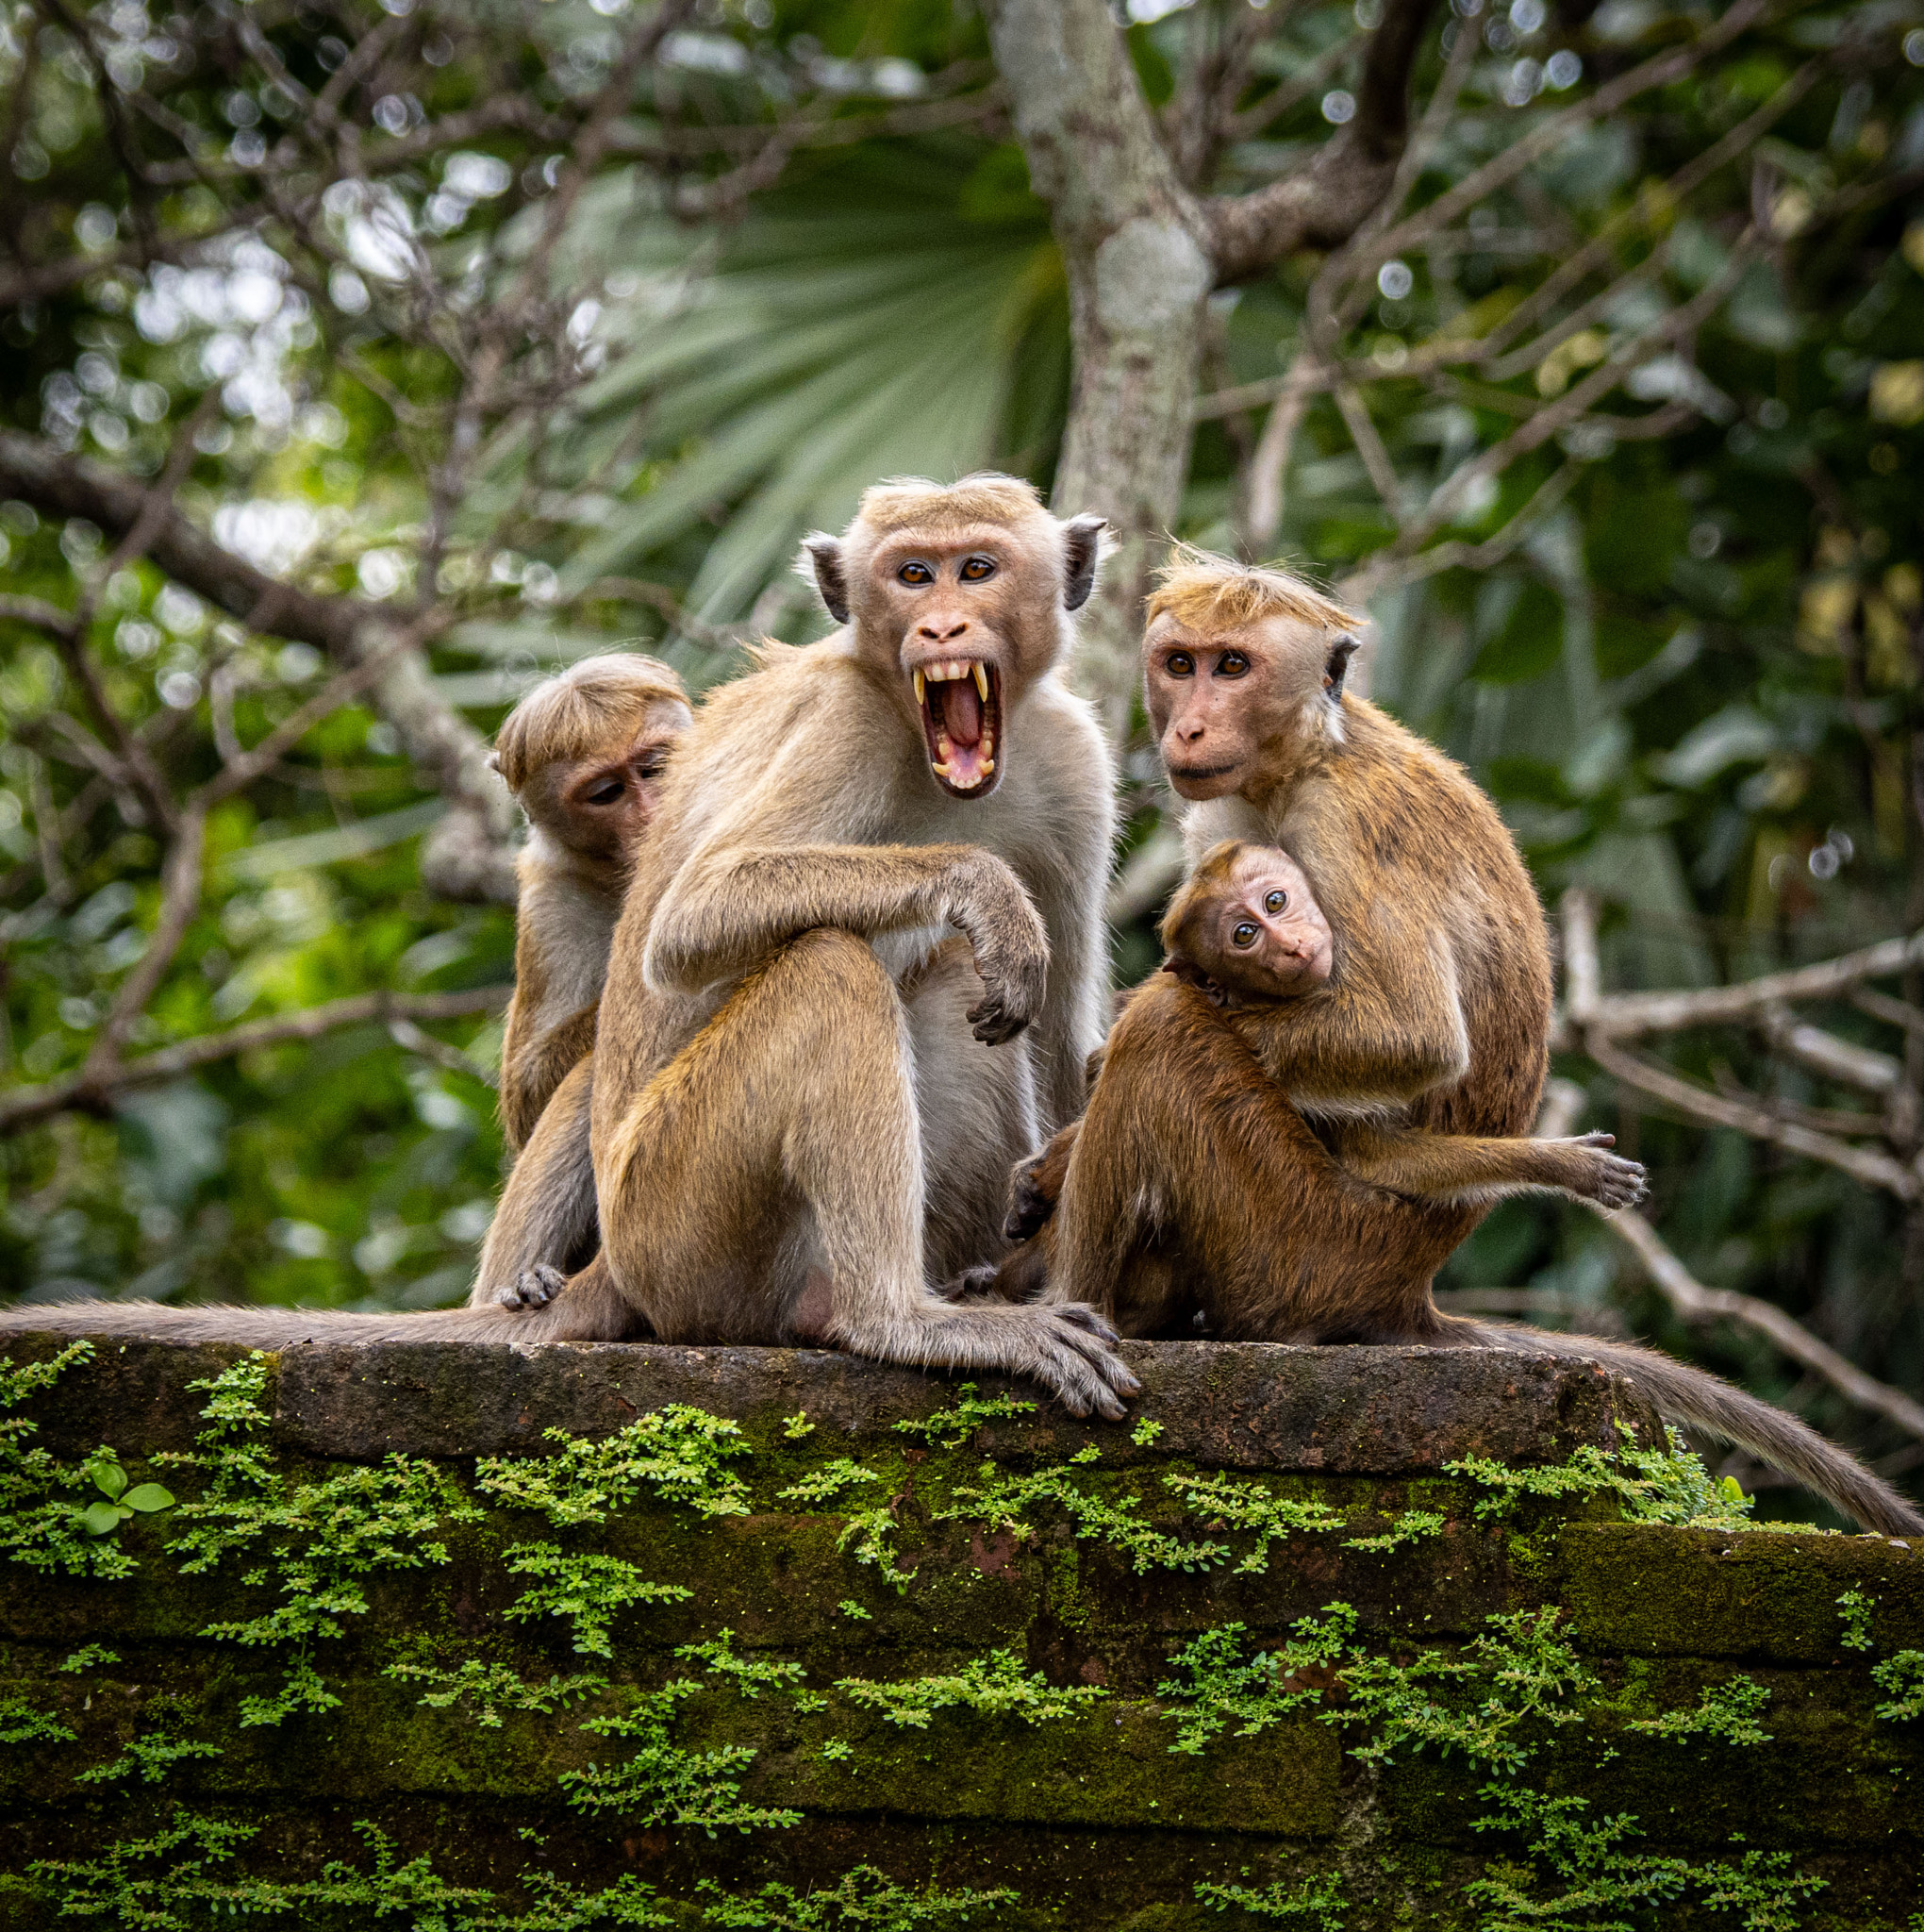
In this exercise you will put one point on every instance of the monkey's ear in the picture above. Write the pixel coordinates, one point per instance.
(821, 559)
(494, 762)
(1083, 549)
(1337, 665)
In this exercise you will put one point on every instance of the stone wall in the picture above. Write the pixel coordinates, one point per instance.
(739, 1648)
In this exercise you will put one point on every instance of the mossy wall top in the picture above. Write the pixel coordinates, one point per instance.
(573, 1636)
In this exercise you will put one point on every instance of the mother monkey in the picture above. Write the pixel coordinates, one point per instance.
(1196, 1178)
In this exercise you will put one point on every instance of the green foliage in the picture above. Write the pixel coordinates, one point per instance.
(155, 1753)
(489, 1688)
(1225, 1503)
(751, 1676)
(1855, 1608)
(1146, 1432)
(1407, 1527)
(43, 1523)
(88, 1656)
(678, 1452)
(990, 1686)
(22, 1723)
(122, 1502)
(865, 1900)
(949, 1428)
(315, 1543)
(1668, 1485)
(1318, 1900)
(797, 1425)
(1903, 1674)
(821, 1485)
(871, 1532)
(1215, 1686)
(1005, 1502)
(1726, 1711)
(586, 1588)
(663, 1784)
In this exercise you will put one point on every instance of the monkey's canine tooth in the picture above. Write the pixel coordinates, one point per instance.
(981, 681)
(921, 685)
(945, 769)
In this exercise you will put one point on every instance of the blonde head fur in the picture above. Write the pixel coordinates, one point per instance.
(1202, 590)
(582, 709)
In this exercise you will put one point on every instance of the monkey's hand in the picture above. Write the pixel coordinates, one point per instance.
(1609, 1180)
(1010, 946)
(534, 1287)
(1072, 1355)
(1036, 1185)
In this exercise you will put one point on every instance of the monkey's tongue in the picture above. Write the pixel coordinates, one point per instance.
(962, 711)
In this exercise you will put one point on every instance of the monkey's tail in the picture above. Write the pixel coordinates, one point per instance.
(1702, 1401)
(267, 1327)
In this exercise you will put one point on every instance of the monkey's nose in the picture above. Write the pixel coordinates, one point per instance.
(937, 635)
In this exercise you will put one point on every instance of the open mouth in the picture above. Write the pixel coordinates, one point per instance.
(961, 702)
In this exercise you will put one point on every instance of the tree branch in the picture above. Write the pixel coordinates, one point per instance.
(90, 1091)
(1330, 199)
(1696, 1303)
(471, 855)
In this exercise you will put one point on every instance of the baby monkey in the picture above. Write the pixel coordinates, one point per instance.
(1247, 927)
(1247, 932)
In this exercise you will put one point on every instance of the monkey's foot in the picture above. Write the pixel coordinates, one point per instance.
(1613, 1182)
(977, 1284)
(1075, 1361)
(1031, 1204)
(534, 1287)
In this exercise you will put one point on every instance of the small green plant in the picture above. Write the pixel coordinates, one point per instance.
(1406, 1529)
(1762, 1888)
(751, 1676)
(1903, 1674)
(1225, 1503)
(1316, 1901)
(118, 1502)
(872, 1534)
(866, 1900)
(1668, 1485)
(43, 1523)
(1145, 1432)
(850, 1607)
(87, 1657)
(949, 1428)
(662, 1784)
(838, 1749)
(585, 1588)
(1215, 1686)
(1005, 1502)
(678, 1452)
(155, 1753)
(991, 1686)
(22, 1723)
(797, 1425)
(821, 1485)
(1854, 1607)
(1726, 1711)
(491, 1688)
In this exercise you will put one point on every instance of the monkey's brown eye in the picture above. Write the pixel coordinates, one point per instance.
(1180, 664)
(1232, 664)
(1274, 902)
(1244, 935)
(975, 569)
(608, 792)
(916, 574)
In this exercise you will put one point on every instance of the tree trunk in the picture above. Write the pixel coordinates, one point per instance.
(1139, 279)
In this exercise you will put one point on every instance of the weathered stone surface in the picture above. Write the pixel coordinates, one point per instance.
(1089, 1815)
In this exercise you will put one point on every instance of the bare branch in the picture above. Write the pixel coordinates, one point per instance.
(1842, 1060)
(89, 1091)
(423, 1045)
(1330, 199)
(1696, 1303)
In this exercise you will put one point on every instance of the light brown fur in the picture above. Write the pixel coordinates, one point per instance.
(793, 1059)
(1203, 1175)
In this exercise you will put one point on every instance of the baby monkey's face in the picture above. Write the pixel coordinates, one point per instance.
(1271, 940)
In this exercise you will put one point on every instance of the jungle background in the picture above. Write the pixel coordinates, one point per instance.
(363, 362)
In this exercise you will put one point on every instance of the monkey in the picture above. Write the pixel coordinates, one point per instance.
(1197, 1178)
(805, 1094)
(1246, 929)
(584, 753)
